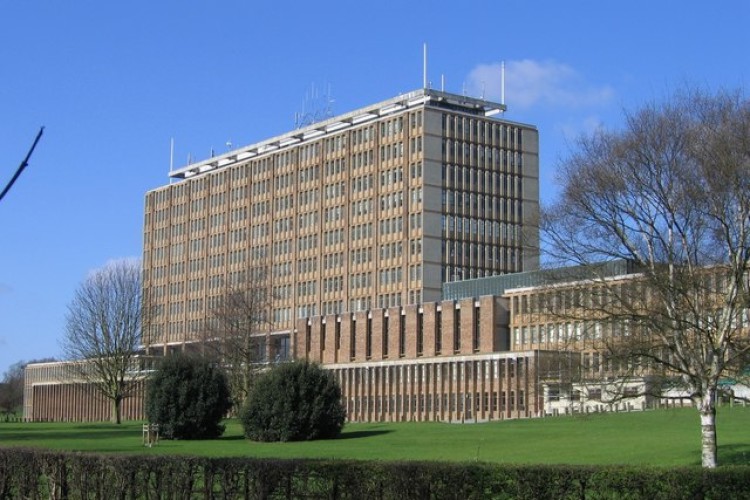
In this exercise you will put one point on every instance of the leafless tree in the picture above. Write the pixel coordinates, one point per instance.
(12, 385)
(236, 331)
(671, 193)
(11, 389)
(103, 330)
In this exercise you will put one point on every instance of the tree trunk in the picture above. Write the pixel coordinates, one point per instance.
(116, 410)
(707, 409)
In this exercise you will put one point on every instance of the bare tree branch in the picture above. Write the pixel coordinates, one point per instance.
(22, 166)
(237, 330)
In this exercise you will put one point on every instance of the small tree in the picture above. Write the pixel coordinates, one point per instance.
(294, 401)
(188, 397)
(103, 330)
(236, 332)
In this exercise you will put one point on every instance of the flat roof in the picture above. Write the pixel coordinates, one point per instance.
(498, 285)
(421, 97)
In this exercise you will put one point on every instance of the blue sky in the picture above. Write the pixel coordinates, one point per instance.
(113, 82)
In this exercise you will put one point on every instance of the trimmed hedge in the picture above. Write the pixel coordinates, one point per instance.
(27, 473)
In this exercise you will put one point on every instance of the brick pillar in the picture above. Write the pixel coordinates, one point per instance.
(429, 328)
(411, 331)
(394, 328)
(467, 326)
(487, 321)
(330, 355)
(316, 345)
(449, 326)
(377, 334)
(346, 333)
(360, 336)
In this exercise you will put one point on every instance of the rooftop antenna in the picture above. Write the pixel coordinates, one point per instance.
(320, 108)
(502, 83)
(424, 65)
(171, 154)
(442, 83)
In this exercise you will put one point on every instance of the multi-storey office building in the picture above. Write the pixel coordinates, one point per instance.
(363, 216)
(372, 209)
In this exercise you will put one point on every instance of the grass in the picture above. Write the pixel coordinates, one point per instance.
(663, 437)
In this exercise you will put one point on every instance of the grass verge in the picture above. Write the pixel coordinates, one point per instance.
(663, 438)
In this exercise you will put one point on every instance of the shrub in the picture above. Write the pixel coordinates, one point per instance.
(188, 397)
(294, 401)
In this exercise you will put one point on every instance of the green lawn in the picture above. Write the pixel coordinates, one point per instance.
(664, 437)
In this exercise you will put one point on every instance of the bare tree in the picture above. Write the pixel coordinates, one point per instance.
(11, 389)
(671, 193)
(12, 385)
(103, 330)
(237, 330)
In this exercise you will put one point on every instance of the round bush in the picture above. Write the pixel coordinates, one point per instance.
(188, 397)
(296, 401)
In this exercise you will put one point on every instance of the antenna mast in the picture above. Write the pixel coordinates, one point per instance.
(319, 108)
(502, 83)
(424, 65)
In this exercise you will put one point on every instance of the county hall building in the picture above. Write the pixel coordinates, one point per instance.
(356, 224)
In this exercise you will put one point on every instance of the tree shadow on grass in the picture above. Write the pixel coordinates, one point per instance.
(362, 434)
(345, 435)
(734, 454)
(70, 432)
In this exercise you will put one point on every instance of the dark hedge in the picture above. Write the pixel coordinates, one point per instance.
(36, 474)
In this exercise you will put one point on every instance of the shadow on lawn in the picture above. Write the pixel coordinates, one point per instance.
(31, 435)
(362, 434)
(345, 435)
(734, 454)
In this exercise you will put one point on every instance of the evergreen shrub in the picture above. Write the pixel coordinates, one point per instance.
(295, 401)
(188, 397)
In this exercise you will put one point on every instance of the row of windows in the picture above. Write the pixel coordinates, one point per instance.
(333, 237)
(334, 190)
(360, 280)
(505, 231)
(394, 225)
(391, 250)
(304, 266)
(390, 152)
(333, 284)
(466, 272)
(333, 261)
(481, 181)
(360, 256)
(482, 131)
(456, 402)
(335, 167)
(307, 288)
(486, 157)
(390, 276)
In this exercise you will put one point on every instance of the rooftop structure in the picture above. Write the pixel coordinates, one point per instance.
(361, 116)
